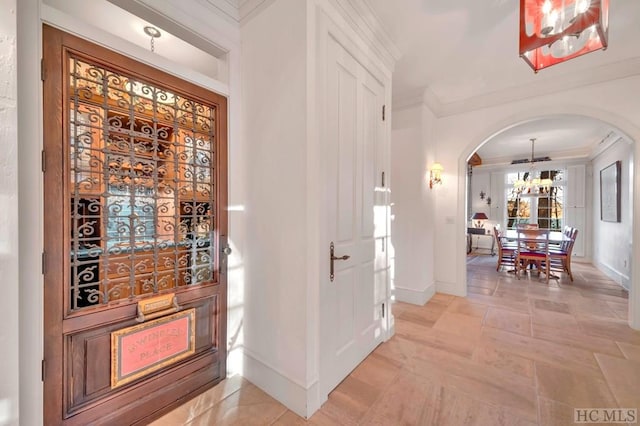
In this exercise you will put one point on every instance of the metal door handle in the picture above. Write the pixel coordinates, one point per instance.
(332, 258)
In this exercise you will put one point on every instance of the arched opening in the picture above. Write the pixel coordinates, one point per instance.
(595, 159)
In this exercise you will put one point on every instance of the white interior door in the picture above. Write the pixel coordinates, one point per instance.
(353, 302)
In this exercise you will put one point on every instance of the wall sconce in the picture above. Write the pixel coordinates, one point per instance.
(435, 174)
(482, 194)
(489, 201)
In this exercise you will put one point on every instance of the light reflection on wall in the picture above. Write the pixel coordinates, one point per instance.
(5, 412)
(382, 268)
(235, 295)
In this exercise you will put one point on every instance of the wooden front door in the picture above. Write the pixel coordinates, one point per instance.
(135, 184)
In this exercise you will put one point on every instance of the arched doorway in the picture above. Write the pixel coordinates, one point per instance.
(622, 127)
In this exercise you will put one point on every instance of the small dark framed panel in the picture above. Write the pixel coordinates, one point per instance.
(610, 192)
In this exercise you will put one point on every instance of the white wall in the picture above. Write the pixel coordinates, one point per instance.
(274, 49)
(9, 332)
(480, 181)
(412, 235)
(457, 136)
(31, 212)
(612, 241)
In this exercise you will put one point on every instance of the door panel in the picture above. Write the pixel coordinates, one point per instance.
(345, 288)
(353, 323)
(346, 153)
(135, 188)
(371, 132)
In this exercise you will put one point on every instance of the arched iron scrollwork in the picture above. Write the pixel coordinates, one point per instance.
(141, 170)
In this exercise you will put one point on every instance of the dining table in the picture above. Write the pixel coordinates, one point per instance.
(555, 237)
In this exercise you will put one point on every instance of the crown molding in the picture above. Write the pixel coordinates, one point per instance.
(248, 9)
(361, 18)
(199, 32)
(227, 8)
(376, 29)
(602, 74)
(558, 156)
(358, 13)
(433, 102)
(615, 71)
(407, 100)
(613, 138)
(416, 98)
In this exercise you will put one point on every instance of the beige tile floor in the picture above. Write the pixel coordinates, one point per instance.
(514, 352)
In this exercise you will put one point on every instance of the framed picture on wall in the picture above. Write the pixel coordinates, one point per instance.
(610, 193)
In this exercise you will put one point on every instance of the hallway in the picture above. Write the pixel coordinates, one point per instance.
(514, 352)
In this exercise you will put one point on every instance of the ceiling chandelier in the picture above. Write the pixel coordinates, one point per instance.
(531, 183)
(554, 31)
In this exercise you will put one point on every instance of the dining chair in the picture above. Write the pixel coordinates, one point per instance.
(527, 226)
(561, 245)
(506, 251)
(533, 248)
(560, 260)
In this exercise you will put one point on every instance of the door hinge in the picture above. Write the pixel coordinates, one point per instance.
(43, 74)
(383, 244)
(44, 262)
(43, 160)
(384, 107)
(383, 180)
(383, 310)
(42, 367)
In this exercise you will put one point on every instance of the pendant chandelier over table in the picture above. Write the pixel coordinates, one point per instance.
(532, 184)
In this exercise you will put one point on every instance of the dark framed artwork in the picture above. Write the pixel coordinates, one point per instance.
(610, 192)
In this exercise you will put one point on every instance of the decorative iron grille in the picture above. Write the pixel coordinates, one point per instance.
(142, 179)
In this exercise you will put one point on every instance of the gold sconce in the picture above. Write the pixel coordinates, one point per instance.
(435, 174)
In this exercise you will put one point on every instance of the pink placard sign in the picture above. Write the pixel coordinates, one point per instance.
(141, 349)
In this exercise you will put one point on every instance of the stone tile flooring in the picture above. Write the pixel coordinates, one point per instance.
(514, 352)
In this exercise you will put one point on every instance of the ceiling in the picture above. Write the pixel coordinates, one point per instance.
(578, 137)
(463, 54)
(193, 54)
(456, 55)
(461, 49)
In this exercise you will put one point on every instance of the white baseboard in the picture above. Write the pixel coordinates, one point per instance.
(415, 297)
(615, 275)
(303, 401)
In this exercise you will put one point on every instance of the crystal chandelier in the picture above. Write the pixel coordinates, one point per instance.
(532, 184)
(554, 31)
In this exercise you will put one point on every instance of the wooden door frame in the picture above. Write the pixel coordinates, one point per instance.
(56, 232)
